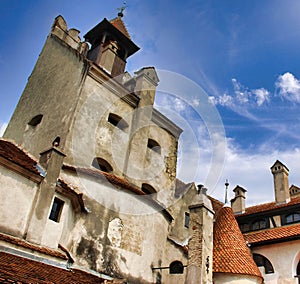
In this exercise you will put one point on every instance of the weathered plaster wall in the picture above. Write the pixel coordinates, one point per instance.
(227, 278)
(17, 195)
(58, 232)
(284, 258)
(91, 127)
(122, 236)
(52, 90)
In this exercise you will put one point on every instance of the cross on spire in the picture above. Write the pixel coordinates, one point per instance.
(120, 14)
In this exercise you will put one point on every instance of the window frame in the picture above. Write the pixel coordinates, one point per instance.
(56, 209)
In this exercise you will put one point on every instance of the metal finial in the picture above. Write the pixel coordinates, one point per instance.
(120, 14)
(226, 189)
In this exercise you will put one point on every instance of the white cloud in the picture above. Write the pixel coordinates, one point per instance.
(249, 170)
(262, 95)
(224, 100)
(243, 97)
(2, 128)
(288, 87)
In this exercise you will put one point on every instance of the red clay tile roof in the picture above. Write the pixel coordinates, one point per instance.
(119, 24)
(216, 204)
(121, 183)
(274, 234)
(69, 189)
(16, 269)
(27, 245)
(269, 206)
(230, 253)
(15, 154)
(113, 179)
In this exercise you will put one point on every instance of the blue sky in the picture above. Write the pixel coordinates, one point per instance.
(243, 54)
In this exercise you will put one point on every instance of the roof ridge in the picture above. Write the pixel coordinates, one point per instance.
(230, 253)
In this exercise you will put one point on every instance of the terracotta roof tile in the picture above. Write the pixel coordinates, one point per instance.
(68, 188)
(269, 206)
(274, 234)
(216, 204)
(119, 24)
(16, 269)
(111, 178)
(22, 243)
(10, 151)
(230, 253)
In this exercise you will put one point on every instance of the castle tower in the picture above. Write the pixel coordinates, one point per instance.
(281, 182)
(111, 45)
(60, 84)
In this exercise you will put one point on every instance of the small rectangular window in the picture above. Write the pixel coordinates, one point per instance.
(186, 219)
(56, 209)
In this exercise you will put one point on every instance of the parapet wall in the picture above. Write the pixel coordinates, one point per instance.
(69, 36)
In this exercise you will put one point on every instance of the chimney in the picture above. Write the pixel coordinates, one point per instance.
(281, 182)
(200, 246)
(238, 202)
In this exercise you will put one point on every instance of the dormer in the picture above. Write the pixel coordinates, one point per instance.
(110, 45)
(281, 182)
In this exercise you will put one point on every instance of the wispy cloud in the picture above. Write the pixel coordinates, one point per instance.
(242, 97)
(2, 128)
(288, 86)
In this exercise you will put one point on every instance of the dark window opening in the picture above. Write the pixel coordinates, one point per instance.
(176, 267)
(102, 165)
(117, 121)
(292, 218)
(260, 224)
(148, 189)
(154, 146)
(56, 210)
(35, 120)
(186, 219)
(245, 227)
(261, 260)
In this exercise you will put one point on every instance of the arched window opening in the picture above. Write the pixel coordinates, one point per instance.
(102, 165)
(292, 218)
(35, 120)
(117, 121)
(262, 261)
(154, 146)
(148, 189)
(56, 141)
(260, 224)
(176, 267)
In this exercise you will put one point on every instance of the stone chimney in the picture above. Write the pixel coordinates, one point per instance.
(238, 202)
(281, 182)
(51, 160)
(200, 246)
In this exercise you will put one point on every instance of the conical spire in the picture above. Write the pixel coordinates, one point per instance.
(119, 24)
(230, 253)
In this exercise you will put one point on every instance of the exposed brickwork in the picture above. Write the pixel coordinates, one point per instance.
(231, 254)
(195, 242)
(274, 234)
